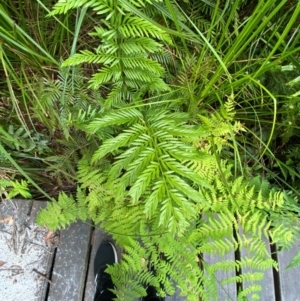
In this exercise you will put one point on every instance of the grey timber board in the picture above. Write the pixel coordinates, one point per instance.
(226, 292)
(98, 237)
(19, 210)
(36, 207)
(16, 208)
(289, 279)
(70, 266)
(25, 236)
(267, 284)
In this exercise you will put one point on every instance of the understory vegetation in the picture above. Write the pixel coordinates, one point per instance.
(172, 125)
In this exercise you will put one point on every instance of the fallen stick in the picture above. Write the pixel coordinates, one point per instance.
(12, 270)
(42, 275)
(6, 232)
(39, 246)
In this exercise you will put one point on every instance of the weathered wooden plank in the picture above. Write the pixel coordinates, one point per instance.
(70, 266)
(24, 248)
(289, 279)
(16, 207)
(48, 258)
(267, 284)
(19, 211)
(227, 292)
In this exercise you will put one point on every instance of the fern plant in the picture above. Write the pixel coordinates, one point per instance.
(126, 70)
(159, 180)
(62, 98)
(149, 187)
(10, 188)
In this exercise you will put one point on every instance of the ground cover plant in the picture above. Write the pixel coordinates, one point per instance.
(176, 123)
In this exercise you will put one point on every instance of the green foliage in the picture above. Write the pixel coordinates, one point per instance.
(126, 43)
(150, 164)
(152, 192)
(10, 189)
(177, 121)
(166, 177)
(295, 261)
(62, 212)
(22, 141)
(32, 91)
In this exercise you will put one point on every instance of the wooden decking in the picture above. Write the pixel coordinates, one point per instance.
(70, 267)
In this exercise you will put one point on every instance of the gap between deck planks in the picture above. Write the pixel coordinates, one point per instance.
(70, 265)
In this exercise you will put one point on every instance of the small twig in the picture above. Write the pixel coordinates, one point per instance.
(39, 246)
(6, 232)
(12, 203)
(42, 275)
(12, 270)
(15, 239)
(9, 244)
(22, 236)
(33, 262)
(27, 225)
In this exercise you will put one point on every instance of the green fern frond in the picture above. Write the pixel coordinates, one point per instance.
(252, 289)
(125, 138)
(62, 6)
(257, 263)
(12, 188)
(87, 56)
(61, 213)
(127, 66)
(136, 27)
(139, 45)
(294, 262)
(128, 116)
